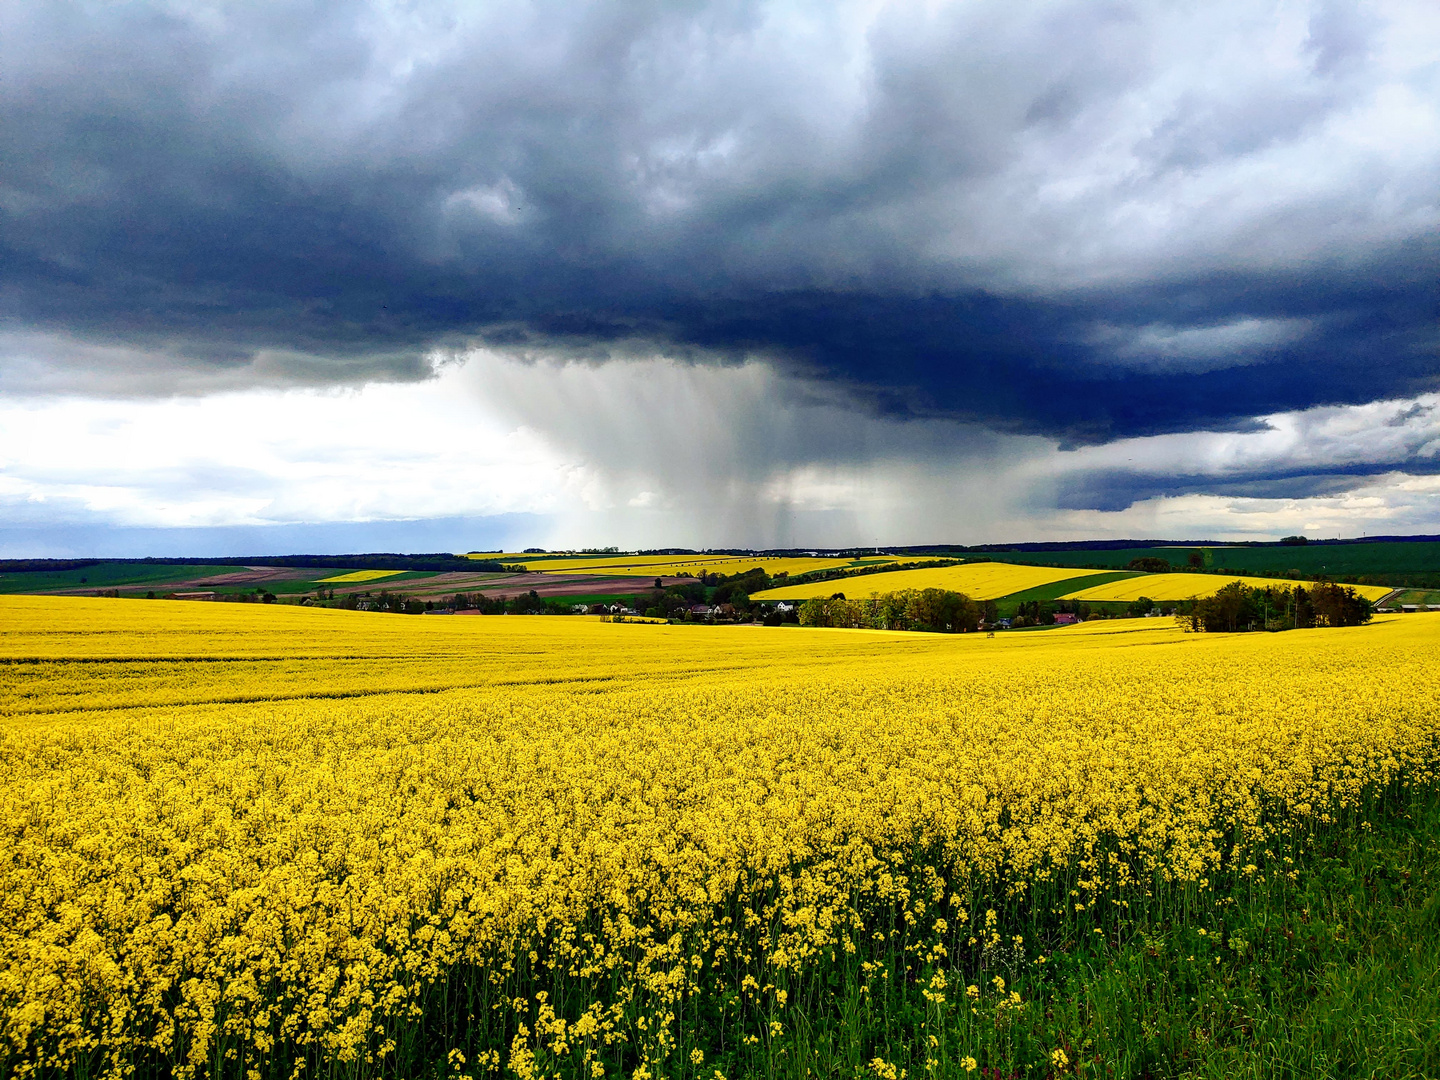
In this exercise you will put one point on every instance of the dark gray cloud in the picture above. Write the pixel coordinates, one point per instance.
(1079, 219)
(1119, 490)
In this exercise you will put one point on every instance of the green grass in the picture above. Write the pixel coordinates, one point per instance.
(1333, 974)
(1336, 975)
(1416, 596)
(1320, 963)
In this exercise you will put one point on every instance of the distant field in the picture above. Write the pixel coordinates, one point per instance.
(565, 562)
(1189, 586)
(106, 576)
(693, 565)
(1337, 560)
(359, 575)
(981, 581)
(1414, 564)
(1054, 590)
(574, 587)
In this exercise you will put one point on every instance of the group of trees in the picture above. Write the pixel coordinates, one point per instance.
(1153, 564)
(669, 603)
(398, 603)
(259, 596)
(388, 601)
(1238, 607)
(751, 581)
(934, 610)
(529, 603)
(1042, 613)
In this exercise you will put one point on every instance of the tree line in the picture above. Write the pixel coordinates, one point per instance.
(938, 611)
(1239, 607)
(529, 603)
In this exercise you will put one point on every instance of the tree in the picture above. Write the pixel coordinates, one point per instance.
(1339, 605)
(943, 611)
(1237, 607)
(890, 611)
(1149, 564)
(1141, 607)
(812, 613)
(1230, 608)
(527, 604)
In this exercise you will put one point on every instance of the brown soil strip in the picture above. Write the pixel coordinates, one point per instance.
(439, 585)
(256, 575)
(545, 585)
(252, 575)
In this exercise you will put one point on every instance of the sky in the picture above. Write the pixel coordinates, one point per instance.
(347, 276)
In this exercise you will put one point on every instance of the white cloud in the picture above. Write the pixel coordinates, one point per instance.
(1393, 504)
(651, 452)
(501, 203)
(1197, 349)
(267, 457)
(1322, 439)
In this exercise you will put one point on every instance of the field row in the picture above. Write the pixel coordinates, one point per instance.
(995, 580)
(687, 565)
(570, 580)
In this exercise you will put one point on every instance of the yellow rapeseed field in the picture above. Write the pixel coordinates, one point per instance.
(1192, 586)
(674, 566)
(259, 841)
(979, 581)
(361, 575)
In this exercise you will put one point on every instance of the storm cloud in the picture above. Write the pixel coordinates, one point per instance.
(1090, 220)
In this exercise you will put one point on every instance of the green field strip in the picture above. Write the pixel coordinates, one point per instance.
(1336, 560)
(1093, 557)
(1056, 589)
(1416, 596)
(372, 586)
(109, 576)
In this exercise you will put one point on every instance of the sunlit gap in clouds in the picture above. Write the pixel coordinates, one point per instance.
(650, 451)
